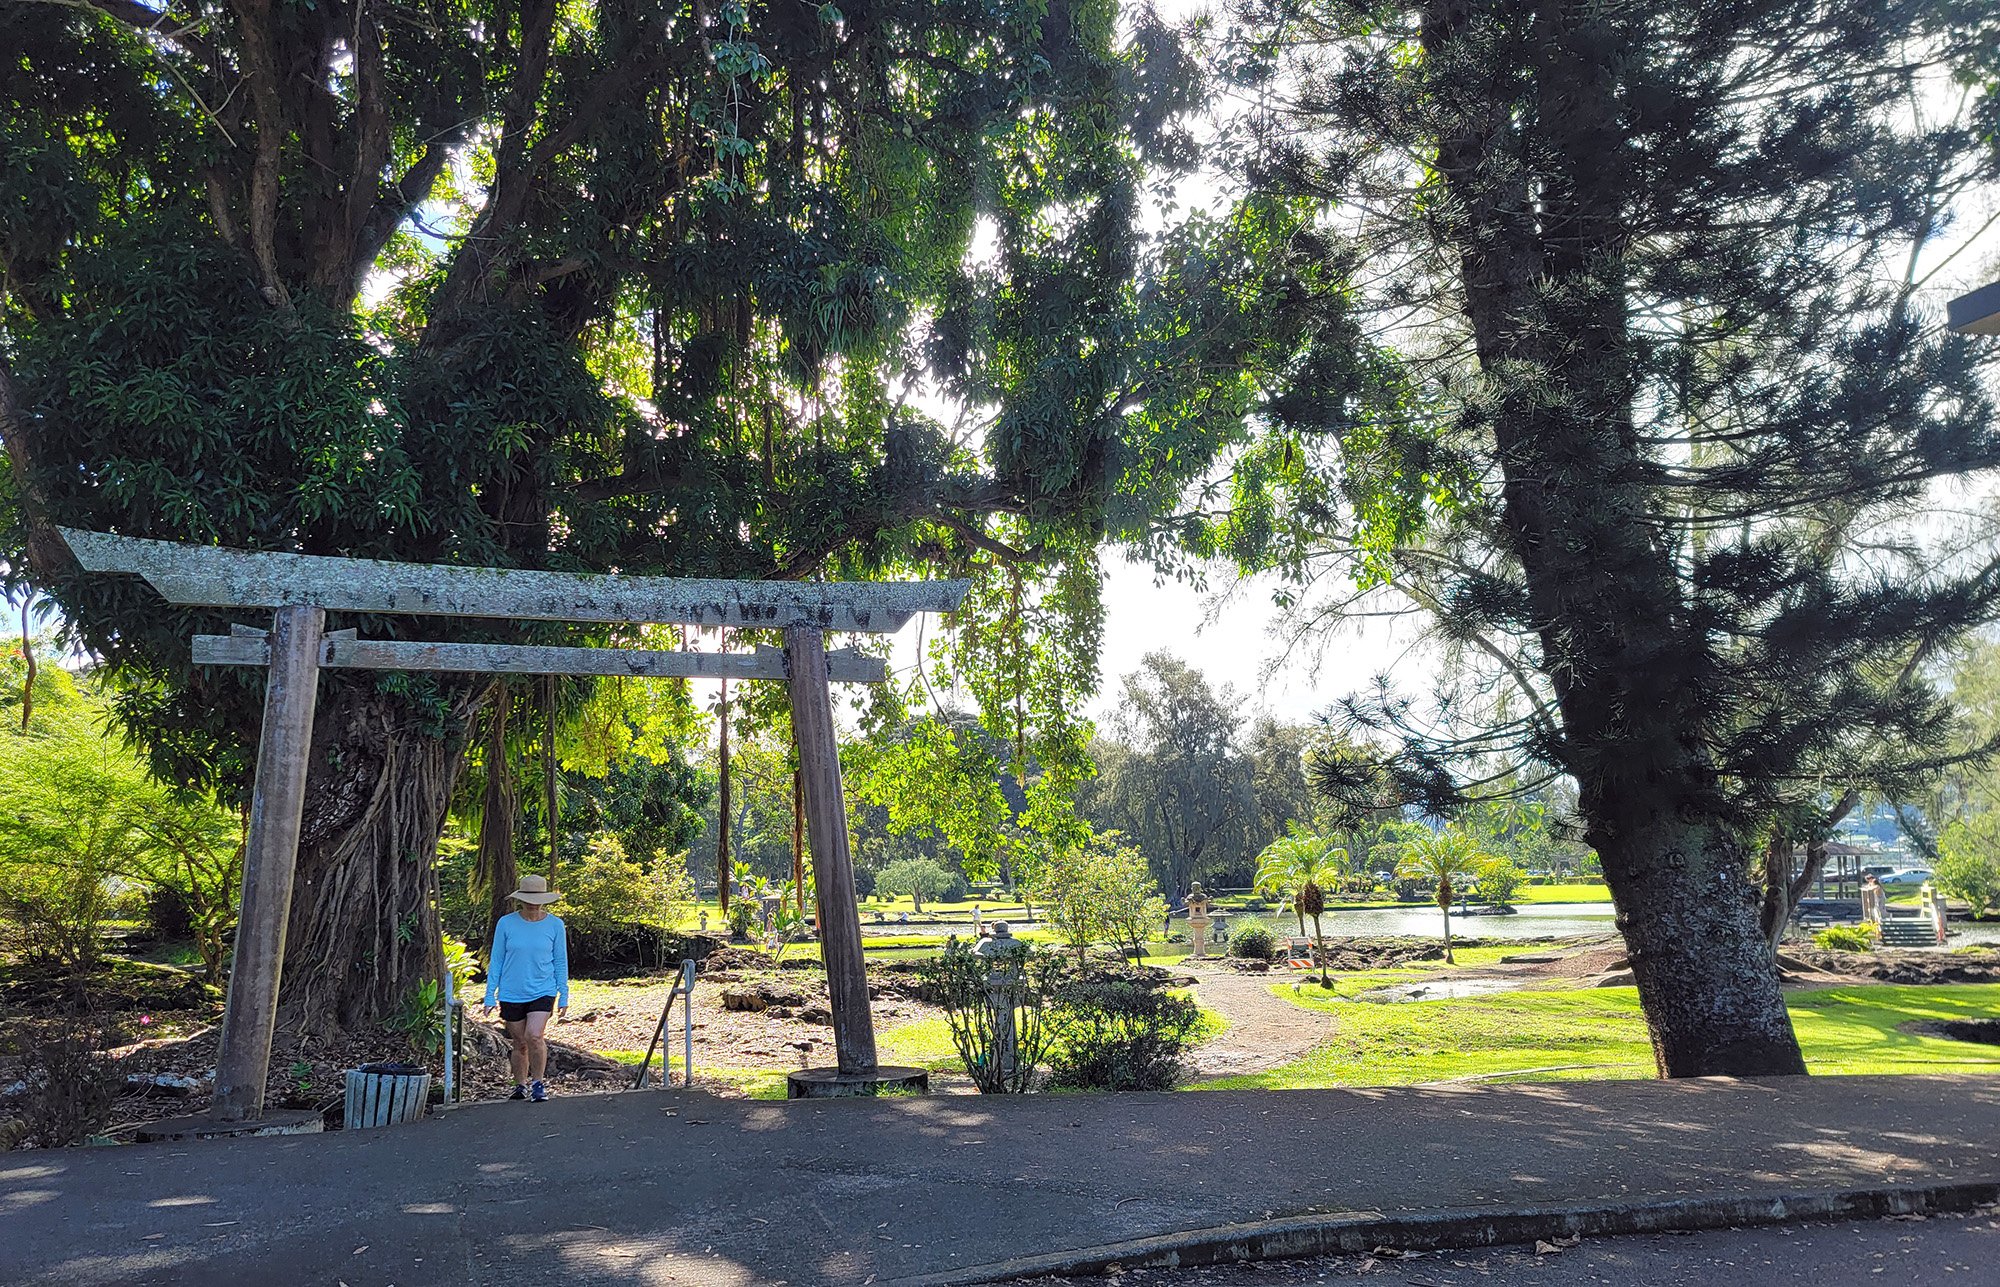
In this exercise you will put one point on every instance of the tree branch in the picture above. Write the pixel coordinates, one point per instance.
(371, 147)
(261, 68)
(48, 556)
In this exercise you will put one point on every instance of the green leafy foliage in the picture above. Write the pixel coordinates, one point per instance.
(1253, 943)
(944, 779)
(1846, 938)
(460, 963)
(79, 812)
(1968, 861)
(916, 879)
(419, 1018)
(606, 893)
(996, 1007)
(1175, 780)
(1447, 862)
(1498, 880)
(1117, 1034)
(1300, 868)
(1095, 889)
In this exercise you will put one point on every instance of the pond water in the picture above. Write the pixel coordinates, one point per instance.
(1439, 990)
(1533, 920)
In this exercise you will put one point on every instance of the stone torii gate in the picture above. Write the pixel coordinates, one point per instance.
(301, 589)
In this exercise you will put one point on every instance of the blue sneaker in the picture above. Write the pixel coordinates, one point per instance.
(538, 1092)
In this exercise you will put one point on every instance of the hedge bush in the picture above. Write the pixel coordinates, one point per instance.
(1253, 943)
(1120, 1036)
(1846, 938)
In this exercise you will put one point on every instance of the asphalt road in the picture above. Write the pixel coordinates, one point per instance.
(650, 1188)
(1906, 1252)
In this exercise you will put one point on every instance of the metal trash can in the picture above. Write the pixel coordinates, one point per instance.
(385, 1094)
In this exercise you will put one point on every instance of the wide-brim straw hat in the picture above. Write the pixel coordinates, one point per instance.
(534, 890)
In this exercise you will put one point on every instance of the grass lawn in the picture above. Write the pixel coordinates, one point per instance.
(1595, 891)
(926, 1044)
(1599, 1033)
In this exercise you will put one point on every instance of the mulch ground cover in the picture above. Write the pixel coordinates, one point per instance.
(159, 1025)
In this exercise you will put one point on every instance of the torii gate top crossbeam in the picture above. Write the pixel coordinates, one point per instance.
(216, 577)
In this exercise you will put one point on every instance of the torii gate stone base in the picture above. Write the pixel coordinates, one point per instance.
(301, 589)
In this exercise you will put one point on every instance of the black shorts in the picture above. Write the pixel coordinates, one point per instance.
(515, 1011)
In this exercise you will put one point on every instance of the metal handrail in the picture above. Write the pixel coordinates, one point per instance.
(683, 989)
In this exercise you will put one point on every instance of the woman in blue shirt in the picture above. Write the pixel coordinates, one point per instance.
(528, 971)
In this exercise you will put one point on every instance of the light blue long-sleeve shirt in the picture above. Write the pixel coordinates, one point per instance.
(530, 960)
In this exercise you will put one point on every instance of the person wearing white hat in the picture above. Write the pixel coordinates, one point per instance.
(528, 972)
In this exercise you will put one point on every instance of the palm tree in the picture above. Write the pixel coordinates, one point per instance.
(1303, 865)
(1273, 880)
(1439, 859)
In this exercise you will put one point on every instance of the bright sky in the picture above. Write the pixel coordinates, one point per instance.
(1228, 633)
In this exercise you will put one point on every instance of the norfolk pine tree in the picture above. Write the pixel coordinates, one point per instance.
(1647, 417)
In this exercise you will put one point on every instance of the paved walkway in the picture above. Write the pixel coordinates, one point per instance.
(661, 1187)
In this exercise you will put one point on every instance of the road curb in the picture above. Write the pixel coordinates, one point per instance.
(1352, 1231)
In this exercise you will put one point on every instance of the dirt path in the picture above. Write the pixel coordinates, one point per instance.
(1264, 1031)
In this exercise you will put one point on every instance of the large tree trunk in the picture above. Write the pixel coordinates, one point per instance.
(363, 929)
(1689, 916)
(1774, 907)
(496, 870)
(1542, 234)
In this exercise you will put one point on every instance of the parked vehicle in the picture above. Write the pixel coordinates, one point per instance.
(1914, 876)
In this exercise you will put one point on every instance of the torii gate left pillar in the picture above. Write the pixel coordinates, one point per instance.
(270, 861)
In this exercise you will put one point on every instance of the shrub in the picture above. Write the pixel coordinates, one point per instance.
(419, 1018)
(1846, 938)
(82, 822)
(1498, 880)
(1968, 865)
(57, 911)
(1253, 943)
(1120, 1036)
(71, 1089)
(459, 962)
(614, 906)
(166, 914)
(983, 997)
(1256, 904)
(1098, 889)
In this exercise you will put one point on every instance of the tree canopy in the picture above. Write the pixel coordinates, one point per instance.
(628, 285)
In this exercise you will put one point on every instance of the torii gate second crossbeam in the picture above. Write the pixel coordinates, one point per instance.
(300, 589)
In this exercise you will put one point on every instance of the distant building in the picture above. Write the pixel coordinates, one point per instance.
(1841, 876)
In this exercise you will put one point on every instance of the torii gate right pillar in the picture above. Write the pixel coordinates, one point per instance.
(856, 1071)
